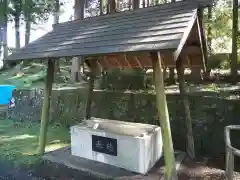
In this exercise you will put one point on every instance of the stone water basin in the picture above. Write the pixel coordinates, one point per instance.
(133, 146)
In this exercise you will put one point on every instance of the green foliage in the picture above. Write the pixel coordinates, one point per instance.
(123, 79)
(220, 24)
(19, 141)
(219, 61)
(33, 76)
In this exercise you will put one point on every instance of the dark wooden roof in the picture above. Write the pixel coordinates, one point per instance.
(203, 3)
(147, 29)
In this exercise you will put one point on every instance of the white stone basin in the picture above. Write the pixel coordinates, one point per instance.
(139, 146)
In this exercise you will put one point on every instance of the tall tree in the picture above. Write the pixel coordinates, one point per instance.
(16, 13)
(56, 21)
(101, 7)
(234, 59)
(4, 29)
(34, 12)
(1, 27)
(171, 69)
(56, 12)
(135, 4)
(27, 18)
(111, 6)
(77, 62)
(209, 29)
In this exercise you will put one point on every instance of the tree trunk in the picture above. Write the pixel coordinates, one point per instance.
(148, 3)
(111, 6)
(93, 72)
(1, 36)
(90, 96)
(27, 28)
(46, 106)
(129, 4)
(27, 32)
(171, 70)
(196, 74)
(234, 63)
(186, 109)
(135, 4)
(17, 31)
(27, 18)
(143, 4)
(56, 21)
(17, 14)
(209, 30)
(4, 32)
(76, 62)
(171, 79)
(101, 7)
(209, 40)
(56, 12)
(164, 118)
(164, 73)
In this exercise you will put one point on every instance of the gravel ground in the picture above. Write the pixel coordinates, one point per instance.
(43, 172)
(188, 171)
(9, 173)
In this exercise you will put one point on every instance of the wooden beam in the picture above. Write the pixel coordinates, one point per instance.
(191, 49)
(125, 58)
(149, 59)
(99, 64)
(186, 109)
(138, 61)
(189, 61)
(185, 36)
(105, 60)
(46, 106)
(118, 63)
(93, 69)
(164, 117)
(163, 64)
(201, 39)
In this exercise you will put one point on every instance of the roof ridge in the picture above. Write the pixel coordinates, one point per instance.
(158, 7)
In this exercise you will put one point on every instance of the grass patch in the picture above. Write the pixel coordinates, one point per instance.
(19, 141)
(33, 76)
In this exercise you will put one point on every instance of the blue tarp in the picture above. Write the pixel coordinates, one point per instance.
(6, 93)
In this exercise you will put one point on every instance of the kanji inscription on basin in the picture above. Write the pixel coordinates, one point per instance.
(104, 145)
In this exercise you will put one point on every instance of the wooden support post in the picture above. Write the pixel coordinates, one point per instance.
(171, 80)
(229, 164)
(164, 73)
(90, 96)
(164, 117)
(46, 106)
(187, 114)
(93, 68)
(196, 74)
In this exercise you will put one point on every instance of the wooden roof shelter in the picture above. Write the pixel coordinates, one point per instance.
(173, 29)
(169, 35)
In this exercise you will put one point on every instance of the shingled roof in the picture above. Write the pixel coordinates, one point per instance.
(161, 27)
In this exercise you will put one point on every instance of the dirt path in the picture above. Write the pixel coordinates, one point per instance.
(195, 171)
